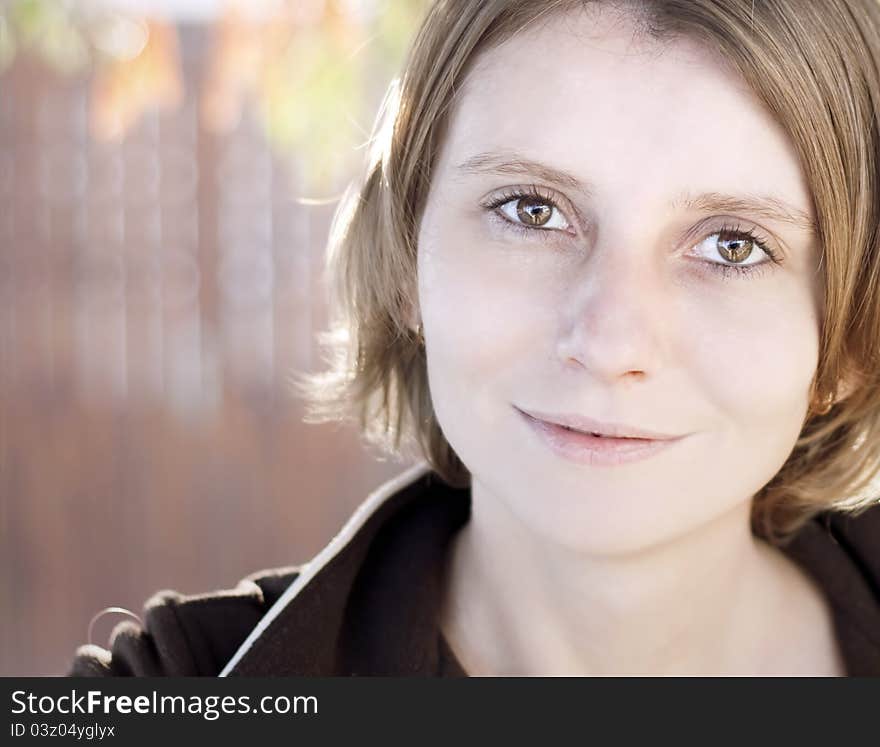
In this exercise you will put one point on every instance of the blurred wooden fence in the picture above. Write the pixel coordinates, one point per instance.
(155, 293)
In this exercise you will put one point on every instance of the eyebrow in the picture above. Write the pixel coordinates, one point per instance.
(510, 163)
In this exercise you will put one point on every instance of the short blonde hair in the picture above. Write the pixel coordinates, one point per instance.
(816, 66)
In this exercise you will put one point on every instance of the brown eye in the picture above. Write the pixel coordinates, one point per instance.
(533, 211)
(734, 246)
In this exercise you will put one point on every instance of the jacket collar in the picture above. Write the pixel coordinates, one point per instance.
(842, 553)
(367, 604)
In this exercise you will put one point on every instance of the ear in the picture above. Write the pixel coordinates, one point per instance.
(413, 317)
(847, 384)
(412, 314)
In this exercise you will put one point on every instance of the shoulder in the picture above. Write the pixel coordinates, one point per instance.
(365, 604)
(844, 540)
(857, 537)
(186, 635)
(841, 550)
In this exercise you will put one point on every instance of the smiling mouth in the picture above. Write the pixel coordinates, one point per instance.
(599, 435)
(587, 435)
(576, 423)
(595, 448)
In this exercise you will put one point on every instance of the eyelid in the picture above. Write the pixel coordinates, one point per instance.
(507, 194)
(766, 242)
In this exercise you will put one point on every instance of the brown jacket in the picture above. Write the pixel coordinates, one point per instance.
(367, 604)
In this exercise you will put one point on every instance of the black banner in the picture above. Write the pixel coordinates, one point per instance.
(156, 710)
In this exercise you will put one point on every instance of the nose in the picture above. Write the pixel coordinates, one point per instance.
(612, 318)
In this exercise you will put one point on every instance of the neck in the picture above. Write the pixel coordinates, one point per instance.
(714, 601)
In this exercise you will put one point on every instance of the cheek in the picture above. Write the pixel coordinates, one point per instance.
(486, 320)
(754, 377)
(757, 358)
(484, 307)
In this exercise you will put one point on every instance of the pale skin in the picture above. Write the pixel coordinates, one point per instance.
(648, 567)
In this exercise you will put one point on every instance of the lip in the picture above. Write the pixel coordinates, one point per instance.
(590, 425)
(584, 448)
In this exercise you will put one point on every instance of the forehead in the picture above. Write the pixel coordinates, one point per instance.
(583, 92)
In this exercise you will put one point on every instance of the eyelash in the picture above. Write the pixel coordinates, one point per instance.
(726, 271)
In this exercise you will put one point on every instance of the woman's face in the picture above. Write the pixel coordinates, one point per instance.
(622, 291)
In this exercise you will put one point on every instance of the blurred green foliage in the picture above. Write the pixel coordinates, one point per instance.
(322, 91)
(49, 28)
(315, 87)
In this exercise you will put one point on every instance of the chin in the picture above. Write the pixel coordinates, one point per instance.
(594, 523)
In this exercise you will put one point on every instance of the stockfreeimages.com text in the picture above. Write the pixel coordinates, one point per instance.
(210, 707)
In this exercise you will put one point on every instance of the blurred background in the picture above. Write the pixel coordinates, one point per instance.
(168, 173)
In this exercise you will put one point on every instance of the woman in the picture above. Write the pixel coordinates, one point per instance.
(613, 269)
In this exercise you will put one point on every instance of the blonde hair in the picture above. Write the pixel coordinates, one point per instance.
(816, 66)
